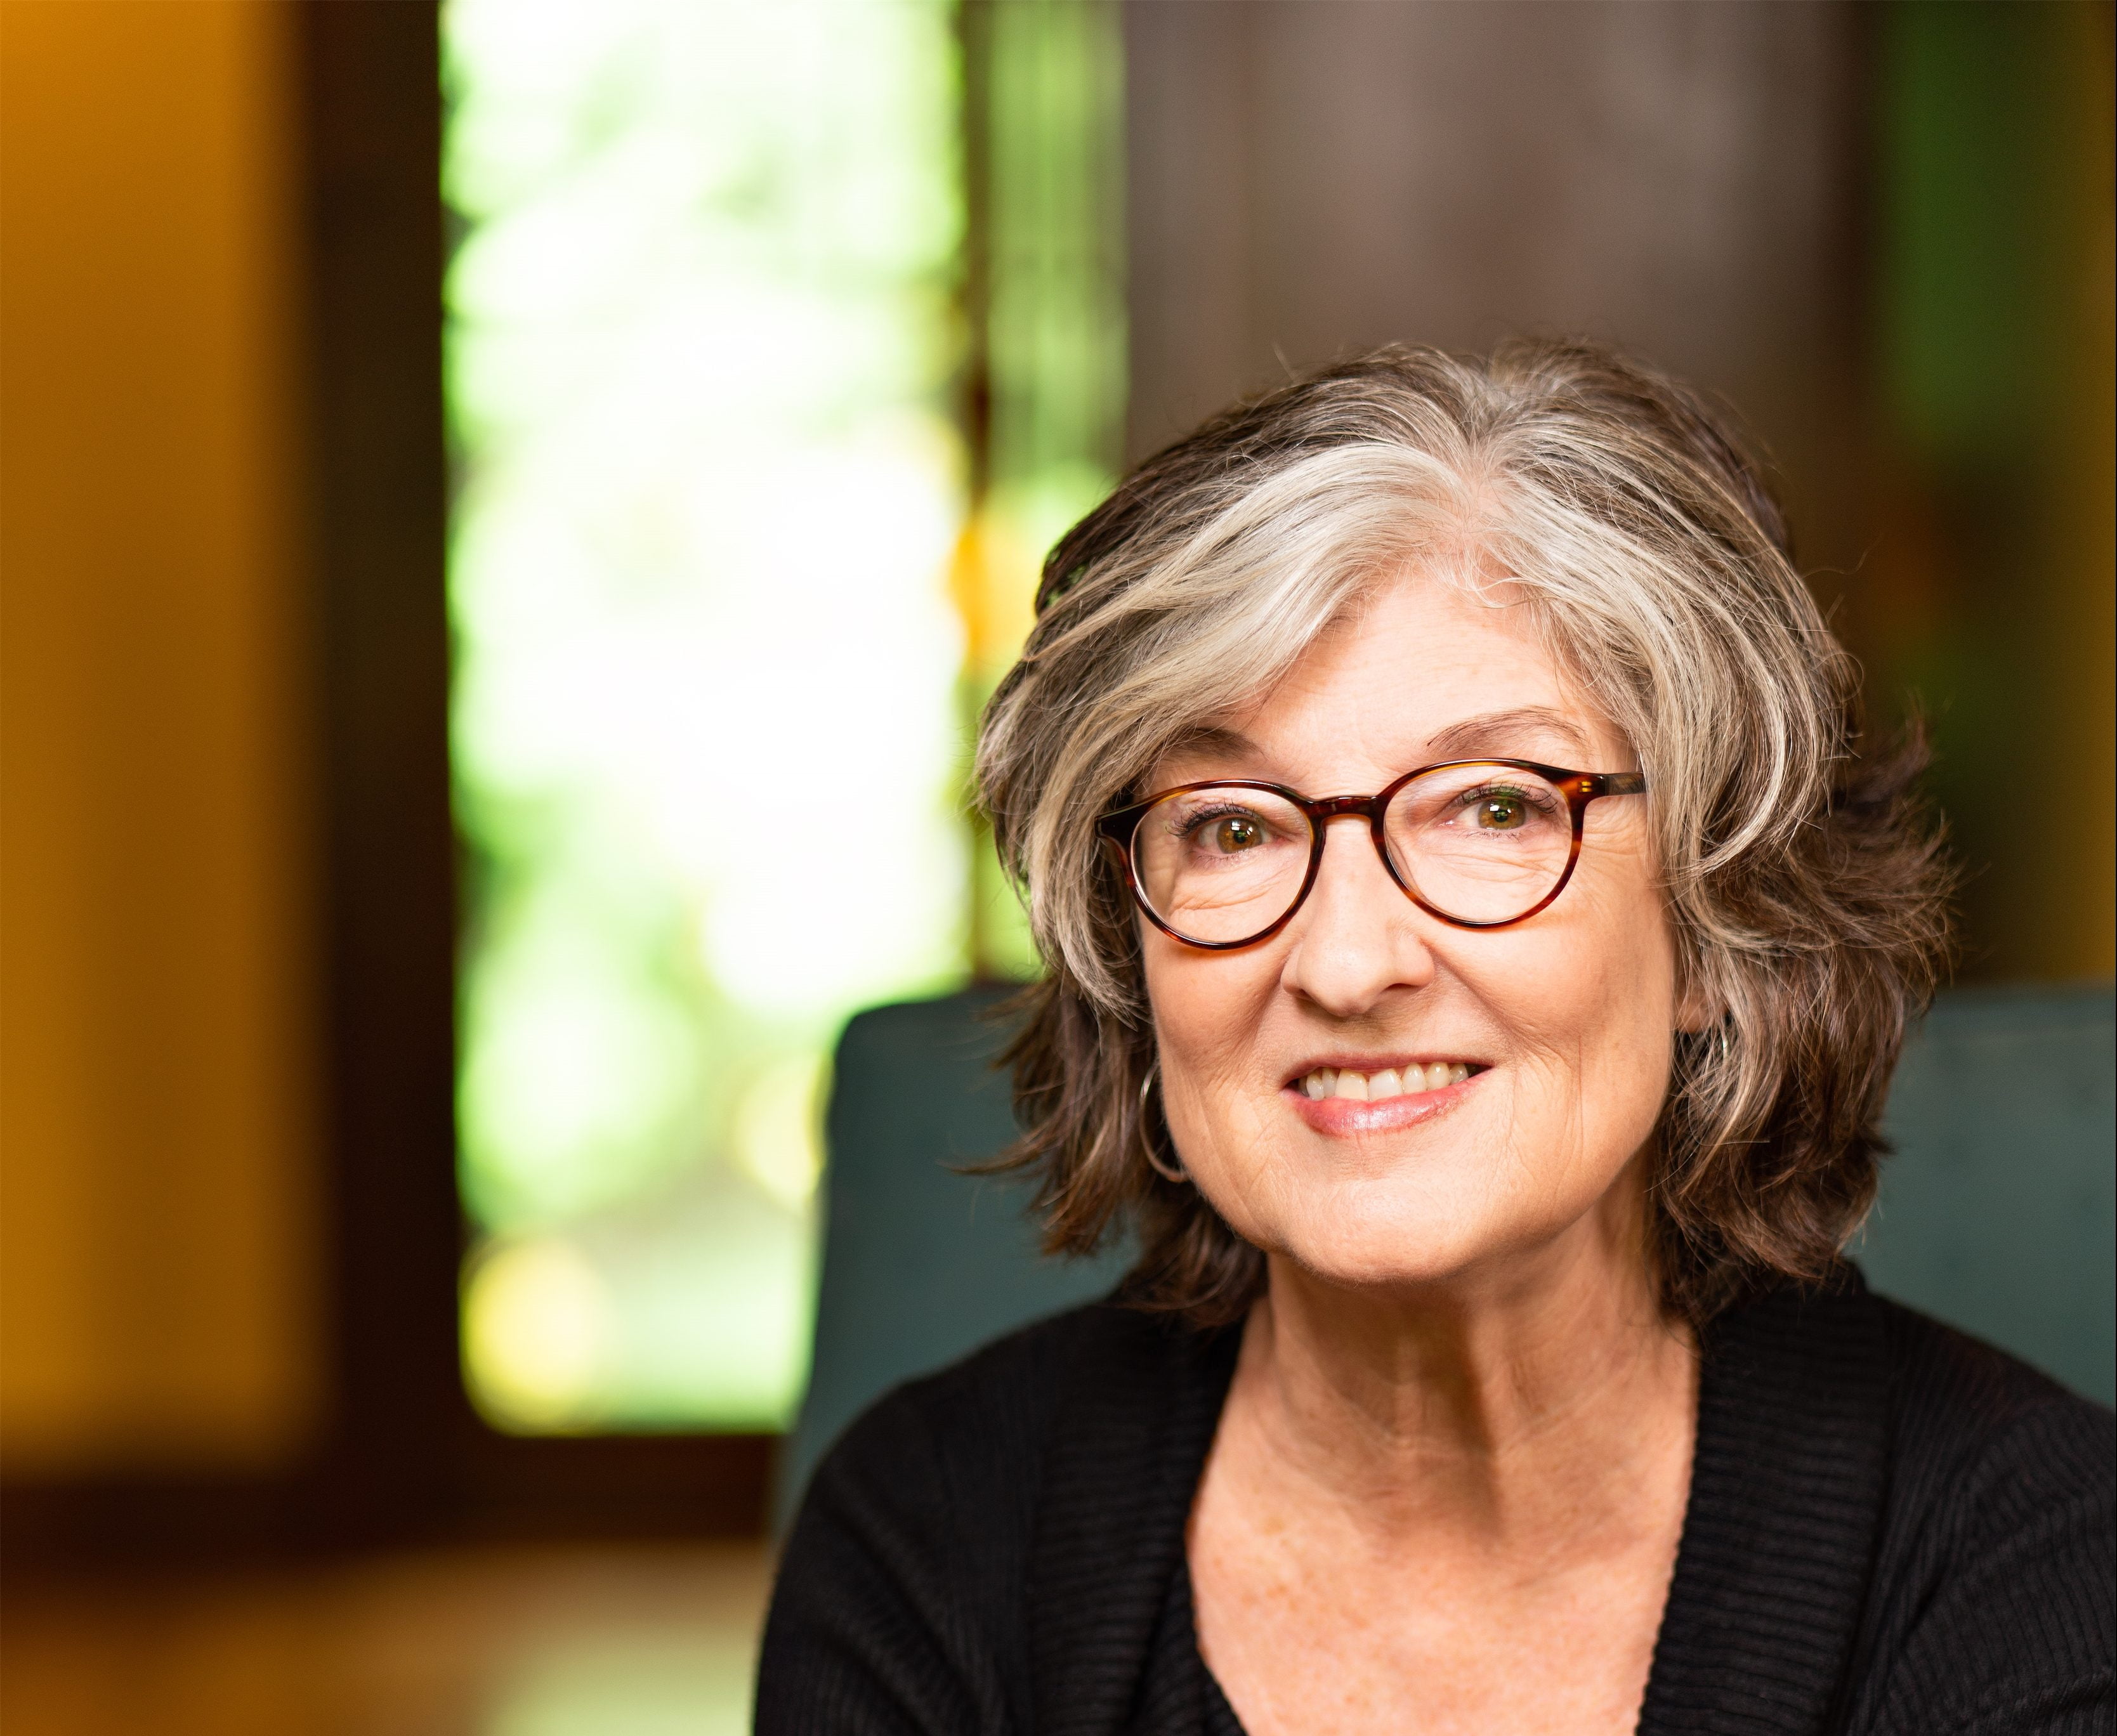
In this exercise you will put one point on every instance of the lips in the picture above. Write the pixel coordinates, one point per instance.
(1344, 1100)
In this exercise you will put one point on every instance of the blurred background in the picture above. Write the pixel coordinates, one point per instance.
(508, 512)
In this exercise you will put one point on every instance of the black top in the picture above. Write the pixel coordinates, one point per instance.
(1891, 1528)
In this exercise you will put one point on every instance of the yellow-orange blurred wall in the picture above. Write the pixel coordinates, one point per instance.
(2084, 509)
(157, 1140)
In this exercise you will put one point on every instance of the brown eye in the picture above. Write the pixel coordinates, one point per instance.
(1236, 832)
(1501, 810)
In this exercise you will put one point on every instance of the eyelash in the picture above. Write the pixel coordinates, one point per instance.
(1512, 792)
(1192, 822)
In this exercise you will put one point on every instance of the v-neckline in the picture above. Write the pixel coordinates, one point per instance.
(1788, 1478)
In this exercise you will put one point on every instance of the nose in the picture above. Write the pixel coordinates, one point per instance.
(1356, 937)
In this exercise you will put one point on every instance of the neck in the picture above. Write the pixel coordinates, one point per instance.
(1512, 1406)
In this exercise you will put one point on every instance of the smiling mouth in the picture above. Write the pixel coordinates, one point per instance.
(1411, 1080)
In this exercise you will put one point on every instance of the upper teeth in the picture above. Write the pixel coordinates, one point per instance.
(1390, 1082)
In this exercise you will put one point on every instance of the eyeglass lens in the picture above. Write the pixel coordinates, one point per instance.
(1482, 844)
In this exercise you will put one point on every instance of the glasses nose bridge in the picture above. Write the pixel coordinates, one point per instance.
(1325, 809)
(1322, 811)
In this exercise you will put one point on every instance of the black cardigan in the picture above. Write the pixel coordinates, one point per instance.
(1891, 1528)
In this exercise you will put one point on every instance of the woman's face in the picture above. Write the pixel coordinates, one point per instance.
(1564, 1023)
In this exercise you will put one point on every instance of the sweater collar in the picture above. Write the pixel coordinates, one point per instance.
(1786, 1487)
(1786, 1493)
(1136, 1411)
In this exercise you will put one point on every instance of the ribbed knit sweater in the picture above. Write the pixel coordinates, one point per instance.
(1892, 1530)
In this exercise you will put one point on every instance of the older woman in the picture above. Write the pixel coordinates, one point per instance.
(1477, 953)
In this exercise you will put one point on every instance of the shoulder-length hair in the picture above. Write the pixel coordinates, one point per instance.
(1805, 892)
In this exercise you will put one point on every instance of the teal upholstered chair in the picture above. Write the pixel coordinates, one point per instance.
(921, 1262)
(1996, 1213)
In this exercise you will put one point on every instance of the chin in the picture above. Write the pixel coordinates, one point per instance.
(1390, 1235)
(1434, 1226)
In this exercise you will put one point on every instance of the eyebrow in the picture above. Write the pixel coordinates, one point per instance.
(1211, 739)
(1487, 734)
(1492, 730)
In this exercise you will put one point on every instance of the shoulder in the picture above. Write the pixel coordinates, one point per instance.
(974, 1434)
(1960, 1403)
(1985, 1448)
(1992, 1604)
(957, 1453)
(902, 1579)
(982, 1424)
(1893, 1528)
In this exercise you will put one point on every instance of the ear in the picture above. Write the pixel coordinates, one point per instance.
(1698, 1008)
(1696, 1014)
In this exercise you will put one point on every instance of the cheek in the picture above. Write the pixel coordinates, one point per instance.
(1593, 1018)
(1208, 1009)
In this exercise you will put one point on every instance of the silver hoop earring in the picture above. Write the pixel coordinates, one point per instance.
(1178, 1175)
(1720, 1036)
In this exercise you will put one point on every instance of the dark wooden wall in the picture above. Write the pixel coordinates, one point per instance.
(1309, 177)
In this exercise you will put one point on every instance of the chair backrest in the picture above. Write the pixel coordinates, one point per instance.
(1998, 1212)
(921, 1262)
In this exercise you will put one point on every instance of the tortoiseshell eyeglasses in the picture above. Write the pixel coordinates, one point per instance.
(1480, 843)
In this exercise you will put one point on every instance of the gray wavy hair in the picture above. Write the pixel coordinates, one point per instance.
(1806, 893)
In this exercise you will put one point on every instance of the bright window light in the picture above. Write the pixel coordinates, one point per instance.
(707, 729)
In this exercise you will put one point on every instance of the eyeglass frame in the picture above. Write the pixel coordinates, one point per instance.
(1119, 827)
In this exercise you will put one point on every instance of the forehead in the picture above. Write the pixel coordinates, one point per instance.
(1423, 668)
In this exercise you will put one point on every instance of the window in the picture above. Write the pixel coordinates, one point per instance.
(721, 545)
